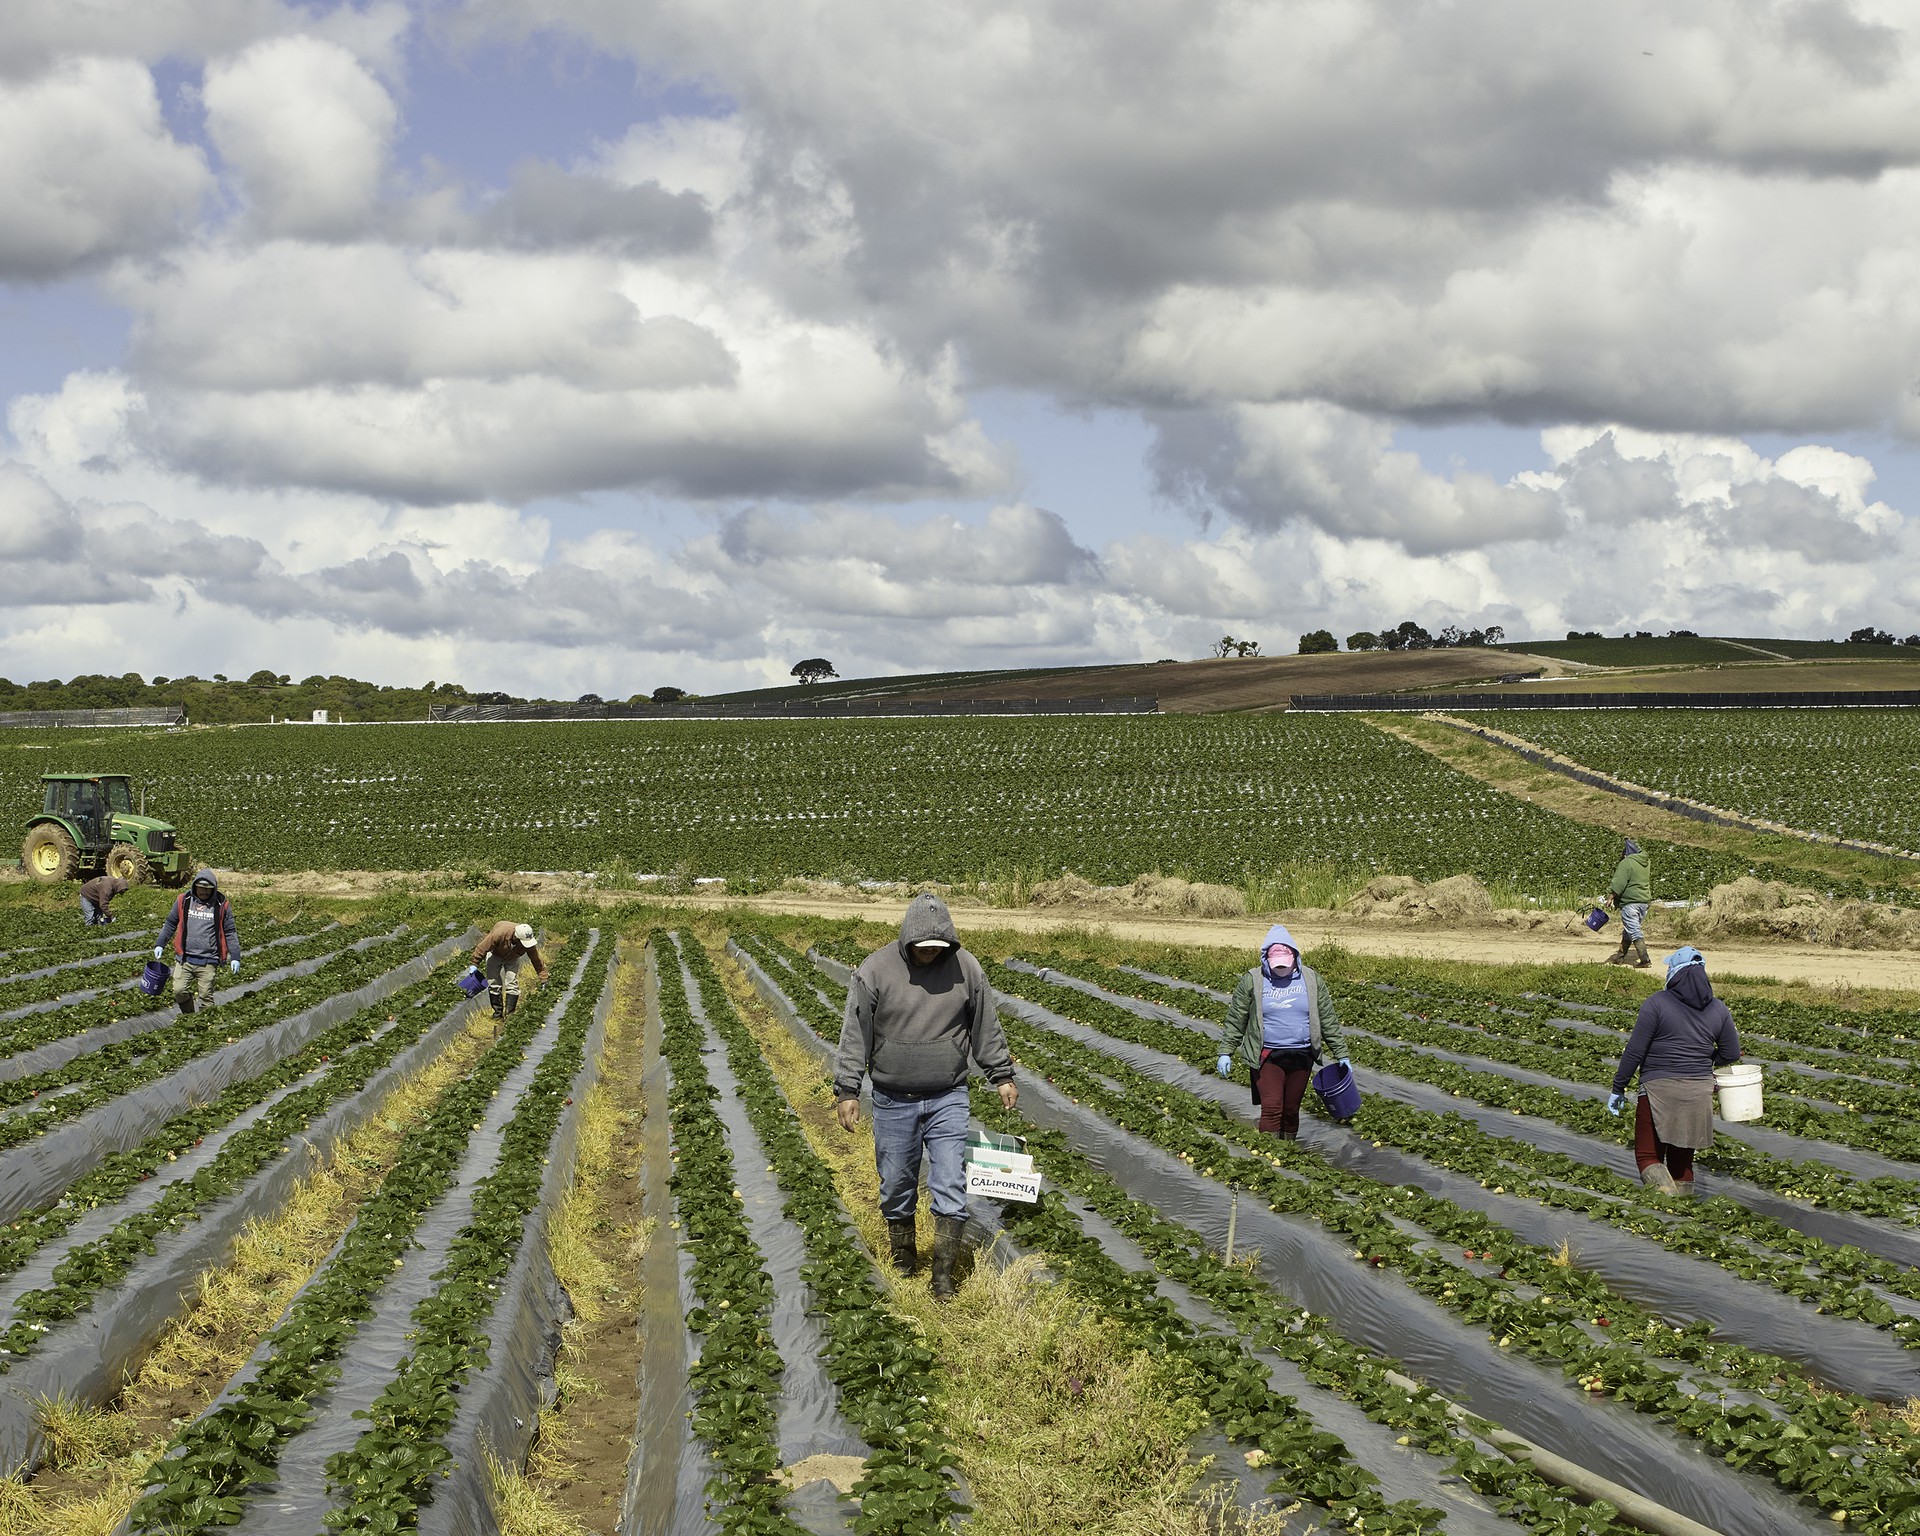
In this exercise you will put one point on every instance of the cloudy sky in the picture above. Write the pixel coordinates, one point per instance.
(567, 344)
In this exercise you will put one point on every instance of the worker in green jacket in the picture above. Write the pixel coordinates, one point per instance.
(1632, 892)
(1280, 1026)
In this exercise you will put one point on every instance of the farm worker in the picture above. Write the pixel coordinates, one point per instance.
(1631, 891)
(916, 1011)
(498, 957)
(1681, 1035)
(201, 934)
(1280, 1024)
(96, 896)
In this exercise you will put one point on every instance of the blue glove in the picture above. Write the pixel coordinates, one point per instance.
(473, 970)
(234, 967)
(157, 951)
(1344, 1061)
(1224, 1066)
(1616, 1102)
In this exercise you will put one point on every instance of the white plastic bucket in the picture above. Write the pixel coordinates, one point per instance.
(1739, 1087)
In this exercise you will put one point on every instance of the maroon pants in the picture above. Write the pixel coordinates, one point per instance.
(1280, 1085)
(1649, 1149)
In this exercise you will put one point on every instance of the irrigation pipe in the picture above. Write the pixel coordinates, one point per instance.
(1636, 1509)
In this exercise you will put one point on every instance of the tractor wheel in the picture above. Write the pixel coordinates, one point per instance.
(172, 879)
(128, 863)
(49, 854)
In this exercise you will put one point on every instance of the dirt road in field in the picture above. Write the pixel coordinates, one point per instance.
(1485, 946)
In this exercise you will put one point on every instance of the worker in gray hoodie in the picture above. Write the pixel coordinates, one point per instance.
(1680, 1035)
(200, 932)
(917, 1010)
(1280, 1025)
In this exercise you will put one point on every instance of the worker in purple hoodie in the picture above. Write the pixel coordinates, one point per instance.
(1680, 1036)
(1280, 1024)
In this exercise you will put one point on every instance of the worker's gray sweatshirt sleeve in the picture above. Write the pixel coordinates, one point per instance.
(856, 1039)
(233, 933)
(989, 1039)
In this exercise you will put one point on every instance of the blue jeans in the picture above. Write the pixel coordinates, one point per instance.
(902, 1128)
(1632, 915)
(92, 915)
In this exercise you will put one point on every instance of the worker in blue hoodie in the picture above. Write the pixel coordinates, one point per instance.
(1679, 1037)
(201, 933)
(1280, 1025)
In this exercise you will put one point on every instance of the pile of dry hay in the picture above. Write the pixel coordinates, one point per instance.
(1751, 908)
(1168, 895)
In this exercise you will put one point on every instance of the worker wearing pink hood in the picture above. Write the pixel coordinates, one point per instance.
(1280, 1026)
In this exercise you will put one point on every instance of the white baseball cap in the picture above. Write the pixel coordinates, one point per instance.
(524, 935)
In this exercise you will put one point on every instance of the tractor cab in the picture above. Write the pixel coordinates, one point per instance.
(88, 825)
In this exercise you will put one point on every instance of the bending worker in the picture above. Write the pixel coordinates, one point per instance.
(1632, 892)
(1681, 1035)
(201, 933)
(1280, 1025)
(916, 1011)
(498, 957)
(96, 898)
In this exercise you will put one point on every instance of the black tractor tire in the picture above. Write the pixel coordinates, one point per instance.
(128, 863)
(49, 855)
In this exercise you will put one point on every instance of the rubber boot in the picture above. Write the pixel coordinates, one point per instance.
(1640, 958)
(1620, 955)
(900, 1240)
(513, 1002)
(1683, 1187)
(946, 1250)
(493, 996)
(1656, 1177)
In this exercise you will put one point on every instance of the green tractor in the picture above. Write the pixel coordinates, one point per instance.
(87, 825)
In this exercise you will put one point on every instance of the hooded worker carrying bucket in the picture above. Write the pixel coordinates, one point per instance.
(1681, 1036)
(1280, 1026)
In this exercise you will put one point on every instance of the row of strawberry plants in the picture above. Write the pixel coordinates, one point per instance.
(888, 1380)
(1841, 1450)
(365, 1043)
(389, 1472)
(1808, 1180)
(105, 1074)
(1272, 1321)
(799, 981)
(201, 1481)
(736, 1380)
(112, 1004)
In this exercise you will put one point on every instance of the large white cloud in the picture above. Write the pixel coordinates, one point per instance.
(89, 170)
(306, 127)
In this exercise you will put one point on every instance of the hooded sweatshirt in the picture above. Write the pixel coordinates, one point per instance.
(1267, 1008)
(1684, 1031)
(201, 932)
(1286, 1016)
(913, 1027)
(1632, 876)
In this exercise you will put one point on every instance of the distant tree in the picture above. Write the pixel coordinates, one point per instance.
(1643, 634)
(160, 682)
(1246, 647)
(263, 679)
(219, 677)
(1408, 636)
(316, 681)
(589, 698)
(1868, 635)
(1318, 642)
(815, 669)
(1496, 634)
(493, 698)
(1911, 640)
(1363, 640)
(668, 695)
(1585, 634)
(1225, 646)
(1681, 634)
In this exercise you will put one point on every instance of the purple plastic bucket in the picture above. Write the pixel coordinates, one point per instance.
(1338, 1090)
(1596, 919)
(471, 984)
(153, 978)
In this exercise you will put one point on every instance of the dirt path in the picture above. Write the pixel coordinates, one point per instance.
(1487, 946)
